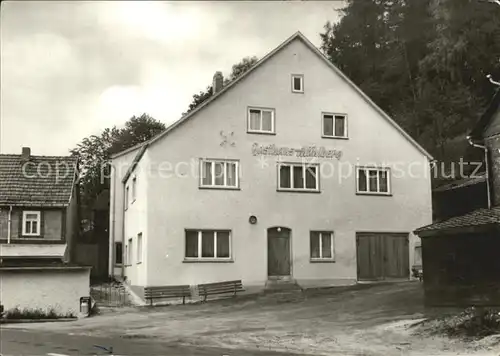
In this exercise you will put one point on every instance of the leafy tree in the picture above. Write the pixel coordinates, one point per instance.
(238, 69)
(422, 61)
(94, 153)
(200, 98)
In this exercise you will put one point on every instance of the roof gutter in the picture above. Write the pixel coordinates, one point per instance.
(487, 173)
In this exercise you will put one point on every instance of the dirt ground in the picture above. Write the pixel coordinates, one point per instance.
(365, 320)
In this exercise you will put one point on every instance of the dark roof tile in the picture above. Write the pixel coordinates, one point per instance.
(474, 218)
(42, 181)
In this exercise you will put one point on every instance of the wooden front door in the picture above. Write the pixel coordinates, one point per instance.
(278, 252)
(382, 256)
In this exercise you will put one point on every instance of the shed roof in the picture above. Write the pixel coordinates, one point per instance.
(14, 250)
(478, 217)
(462, 183)
(41, 181)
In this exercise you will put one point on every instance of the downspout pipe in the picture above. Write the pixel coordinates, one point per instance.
(123, 228)
(9, 223)
(487, 173)
(490, 78)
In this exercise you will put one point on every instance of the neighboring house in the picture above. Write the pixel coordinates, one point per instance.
(288, 173)
(92, 247)
(38, 229)
(460, 253)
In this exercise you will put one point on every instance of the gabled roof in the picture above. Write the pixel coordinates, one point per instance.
(136, 160)
(479, 217)
(42, 181)
(300, 36)
(485, 120)
(462, 183)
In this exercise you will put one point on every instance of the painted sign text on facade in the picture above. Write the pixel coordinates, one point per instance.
(304, 152)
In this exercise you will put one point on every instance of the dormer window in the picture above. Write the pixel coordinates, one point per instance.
(297, 83)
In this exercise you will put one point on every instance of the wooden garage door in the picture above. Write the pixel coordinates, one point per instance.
(382, 256)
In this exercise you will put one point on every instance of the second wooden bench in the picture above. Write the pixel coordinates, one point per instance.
(228, 287)
(151, 293)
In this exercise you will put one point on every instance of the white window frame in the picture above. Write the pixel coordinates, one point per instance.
(301, 77)
(37, 220)
(367, 177)
(134, 189)
(224, 162)
(304, 167)
(200, 237)
(273, 120)
(324, 135)
(332, 240)
(139, 248)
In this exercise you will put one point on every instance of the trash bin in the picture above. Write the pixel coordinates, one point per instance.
(85, 305)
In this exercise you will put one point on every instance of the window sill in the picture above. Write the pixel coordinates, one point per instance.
(138, 263)
(281, 190)
(374, 194)
(260, 132)
(31, 237)
(214, 260)
(118, 265)
(297, 91)
(219, 188)
(321, 260)
(335, 137)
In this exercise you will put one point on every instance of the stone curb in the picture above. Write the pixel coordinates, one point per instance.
(22, 321)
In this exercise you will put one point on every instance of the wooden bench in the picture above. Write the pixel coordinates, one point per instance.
(220, 288)
(151, 293)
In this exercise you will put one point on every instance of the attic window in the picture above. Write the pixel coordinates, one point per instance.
(334, 125)
(31, 223)
(297, 83)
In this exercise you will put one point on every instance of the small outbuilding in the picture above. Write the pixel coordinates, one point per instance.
(460, 254)
(460, 259)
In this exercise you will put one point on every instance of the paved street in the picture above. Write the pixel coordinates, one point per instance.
(20, 342)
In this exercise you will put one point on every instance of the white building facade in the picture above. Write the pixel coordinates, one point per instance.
(290, 172)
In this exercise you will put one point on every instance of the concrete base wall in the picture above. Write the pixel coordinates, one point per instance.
(59, 289)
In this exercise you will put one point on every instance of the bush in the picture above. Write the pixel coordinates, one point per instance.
(472, 322)
(35, 314)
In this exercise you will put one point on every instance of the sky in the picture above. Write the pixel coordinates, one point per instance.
(70, 69)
